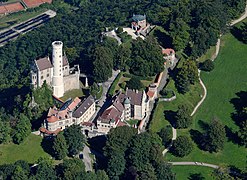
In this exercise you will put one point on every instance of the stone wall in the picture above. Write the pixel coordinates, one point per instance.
(71, 82)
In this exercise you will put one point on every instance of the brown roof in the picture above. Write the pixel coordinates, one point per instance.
(168, 51)
(12, 7)
(52, 119)
(46, 131)
(134, 96)
(43, 63)
(110, 114)
(74, 104)
(118, 105)
(34, 3)
(65, 61)
(150, 94)
(83, 107)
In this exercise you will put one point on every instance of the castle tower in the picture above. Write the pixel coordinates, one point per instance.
(57, 61)
(127, 109)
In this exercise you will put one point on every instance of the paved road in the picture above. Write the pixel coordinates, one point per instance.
(194, 164)
(87, 159)
(241, 17)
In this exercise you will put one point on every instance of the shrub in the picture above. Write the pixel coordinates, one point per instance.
(168, 93)
(207, 65)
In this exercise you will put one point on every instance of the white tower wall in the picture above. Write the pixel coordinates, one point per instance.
(57, 61)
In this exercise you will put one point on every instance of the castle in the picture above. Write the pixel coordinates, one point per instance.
(58, 75)
(132, 104)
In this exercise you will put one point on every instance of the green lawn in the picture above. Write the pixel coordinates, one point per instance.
(72, 94)
(30, 150)
(228, 78)
(191, 99)
(184, 172)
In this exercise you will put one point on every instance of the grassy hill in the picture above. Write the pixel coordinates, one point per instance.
(227, 79)
(30, 150)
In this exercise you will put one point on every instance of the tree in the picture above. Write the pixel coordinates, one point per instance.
(122, 57)
(101, 175)
(74, 139)
(19, 174)
(45, 170)
(60, 147)
(70, 168)
(118, 139)
(135, 84)
(207, 65)
(94, 89)
(163, 171)
(242, 134)
(144, 148)
(116, 165)
(22, 129)
(179, 33)
(4, 132)
(147, 172)
(215, 136)
(221, 173)
(103, 64)
(182, 146)
(182, 117)
(187, 75)
(166, 135)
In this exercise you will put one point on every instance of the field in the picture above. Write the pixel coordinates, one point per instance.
(187, 172)
(30, 151)
(228, 78)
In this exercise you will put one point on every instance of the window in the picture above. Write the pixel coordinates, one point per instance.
(47, 75)
(41, 77)
(60, 56)
(60, 123)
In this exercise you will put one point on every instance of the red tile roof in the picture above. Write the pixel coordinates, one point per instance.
(52, 119)
(121, 124)
(74, 104)
(13, 7)
(168, 51)
(46, 131)
(110, 114)
(35, 3)
(150, 94)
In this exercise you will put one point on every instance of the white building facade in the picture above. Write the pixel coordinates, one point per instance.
(58, 75)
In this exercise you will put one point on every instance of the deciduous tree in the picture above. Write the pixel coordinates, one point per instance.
(182, 146)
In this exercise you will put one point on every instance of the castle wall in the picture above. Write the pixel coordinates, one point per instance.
(71, 82)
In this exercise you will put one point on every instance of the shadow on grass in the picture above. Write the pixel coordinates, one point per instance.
(170, 116)
(237, 32)
(47, 144)
(232, 136)
(239, 104)
(198, 138)
(196, 176)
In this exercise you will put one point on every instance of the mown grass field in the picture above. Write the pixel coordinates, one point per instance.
(187, 172)
(228, 78)
(30, 150)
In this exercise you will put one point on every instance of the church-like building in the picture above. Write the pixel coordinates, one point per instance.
(57, 73)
